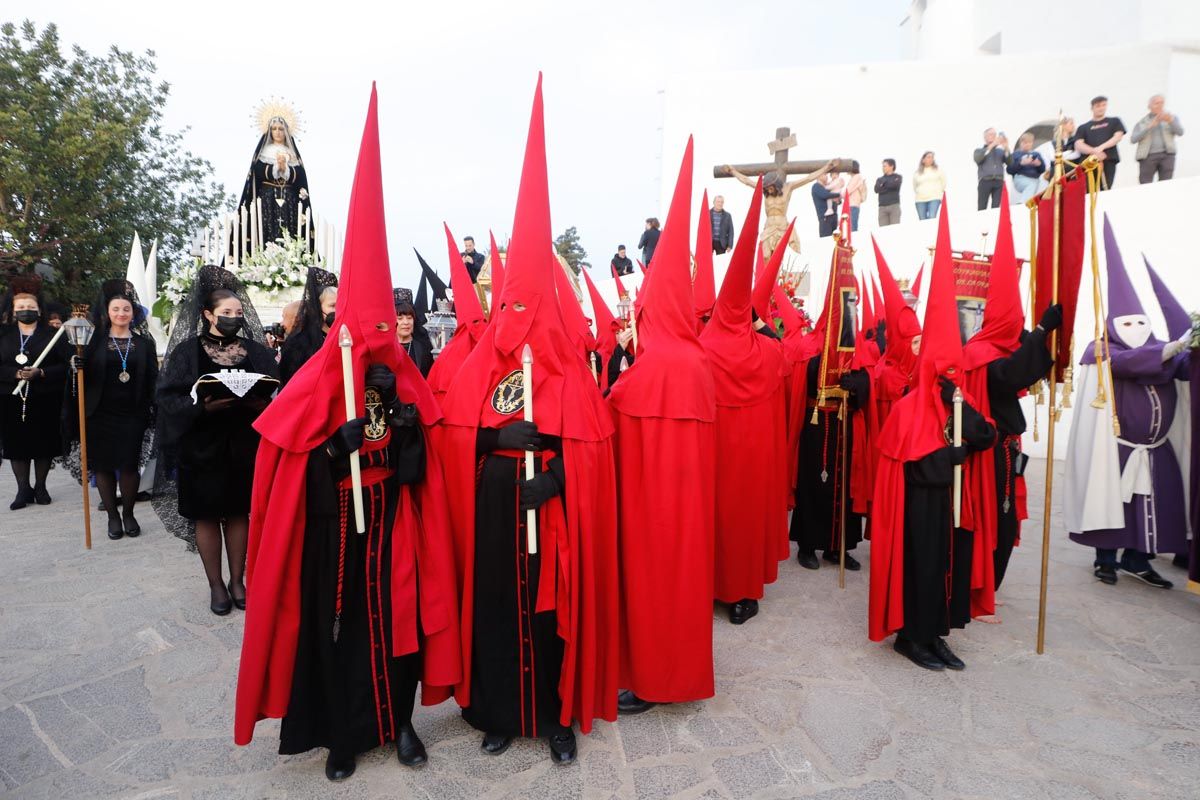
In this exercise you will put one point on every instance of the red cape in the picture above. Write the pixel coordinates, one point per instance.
(667, 536)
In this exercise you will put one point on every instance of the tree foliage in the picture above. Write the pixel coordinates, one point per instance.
(568, 246)
(85, 162)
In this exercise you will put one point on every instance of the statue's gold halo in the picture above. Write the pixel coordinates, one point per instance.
(276, 107)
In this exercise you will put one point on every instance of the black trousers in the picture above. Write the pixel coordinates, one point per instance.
(989, 190)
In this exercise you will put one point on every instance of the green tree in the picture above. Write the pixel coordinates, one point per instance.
(85, 162)
(571, 250)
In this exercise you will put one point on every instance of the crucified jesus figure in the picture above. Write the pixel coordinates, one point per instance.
(776, 197)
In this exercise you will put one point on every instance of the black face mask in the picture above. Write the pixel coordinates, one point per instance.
(28, 317)
(229, 326)
(328, 319)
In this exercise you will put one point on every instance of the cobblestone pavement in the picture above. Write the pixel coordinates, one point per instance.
(116, 681)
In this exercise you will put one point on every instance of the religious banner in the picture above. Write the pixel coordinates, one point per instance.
(971, 272)
(1071, 224)
(838, 324)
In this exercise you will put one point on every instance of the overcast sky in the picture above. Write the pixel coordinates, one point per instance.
(455, 85)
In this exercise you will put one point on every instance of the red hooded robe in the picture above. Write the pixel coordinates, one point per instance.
(915, 428)
(577, 539)
(664, 408)
(751, 521)
(304, 415)
(998, 337)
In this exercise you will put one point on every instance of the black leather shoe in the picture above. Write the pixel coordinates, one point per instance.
(132, 528)
(495, 743)
(222, 605)
(115, 531)
(919, 654)
(239, 603)
(742, 610)
(1150, 577)
(338, 767)
(1180, 560)
(943, 651)
(41, 496)
(807, 560)
(1106, 574)
(852, 564)
(409, 747)
(24, 497)
(562, 748)
(630, 703)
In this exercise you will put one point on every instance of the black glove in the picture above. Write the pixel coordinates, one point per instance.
(402, 415)
(382, 378)
(958, 455)
(948, 388)
(538, 490)
(346, 439)
(519, 436)
(881, 336)
(1052, 318)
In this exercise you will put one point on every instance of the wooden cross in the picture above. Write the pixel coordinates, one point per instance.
(784, 141)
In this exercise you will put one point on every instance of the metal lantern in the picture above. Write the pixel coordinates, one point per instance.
(623, 306)
(441, 325)
(79, 331)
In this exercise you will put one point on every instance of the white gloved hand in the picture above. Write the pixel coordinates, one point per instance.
(1176, 347)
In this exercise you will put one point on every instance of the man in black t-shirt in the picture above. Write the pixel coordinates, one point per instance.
(1099, 137)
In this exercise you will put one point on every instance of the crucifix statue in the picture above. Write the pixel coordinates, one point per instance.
(777, 192)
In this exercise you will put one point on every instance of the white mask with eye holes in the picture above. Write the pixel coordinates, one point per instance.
(1132, 329)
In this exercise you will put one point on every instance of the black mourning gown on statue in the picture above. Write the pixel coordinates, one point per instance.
(935, 556)
(348, 692)
(1006, 379)
(516, 654)
(815, 524)
(282, 195)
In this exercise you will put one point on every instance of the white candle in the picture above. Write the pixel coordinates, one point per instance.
(346, 343)
(527, 392)
(244, 241)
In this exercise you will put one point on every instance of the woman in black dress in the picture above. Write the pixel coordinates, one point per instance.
(419, 349)
(120, 370)
(30, 421)
(312, 324)
(211, 442)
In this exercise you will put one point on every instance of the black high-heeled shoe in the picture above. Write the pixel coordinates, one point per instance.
(115, 530)
(132, 528)
(217, 606)
(239, 604)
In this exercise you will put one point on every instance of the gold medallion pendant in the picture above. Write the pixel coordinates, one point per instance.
(376, 427)
(509, 396)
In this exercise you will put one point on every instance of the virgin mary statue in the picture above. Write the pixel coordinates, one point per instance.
(277, 176)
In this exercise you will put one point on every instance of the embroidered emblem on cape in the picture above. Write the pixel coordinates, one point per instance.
(376, 423)
(509, 396)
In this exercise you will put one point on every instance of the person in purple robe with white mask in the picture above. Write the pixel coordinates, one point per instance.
(1179, 326)
(1125, 491)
